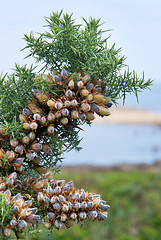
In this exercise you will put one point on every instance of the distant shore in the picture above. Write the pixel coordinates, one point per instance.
(130, 115)
(156, 167)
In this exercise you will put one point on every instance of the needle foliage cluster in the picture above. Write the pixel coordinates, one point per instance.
(82, 48)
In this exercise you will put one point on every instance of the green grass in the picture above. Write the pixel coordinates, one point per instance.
(135, 200)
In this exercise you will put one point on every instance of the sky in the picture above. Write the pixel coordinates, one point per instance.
(136, 28)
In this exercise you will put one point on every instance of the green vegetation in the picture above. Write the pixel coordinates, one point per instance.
(135, 212)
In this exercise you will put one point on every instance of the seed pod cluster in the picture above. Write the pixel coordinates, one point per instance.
(67, 204)
(78, 100)
(79, 97)
(22, 211)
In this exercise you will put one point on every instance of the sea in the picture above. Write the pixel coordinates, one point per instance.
(108, 145)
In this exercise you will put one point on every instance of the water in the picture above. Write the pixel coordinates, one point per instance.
(116, 144)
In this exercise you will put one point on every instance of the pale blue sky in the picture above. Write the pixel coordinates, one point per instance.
(136, 28)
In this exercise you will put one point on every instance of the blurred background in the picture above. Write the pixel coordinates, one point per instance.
(121, 155)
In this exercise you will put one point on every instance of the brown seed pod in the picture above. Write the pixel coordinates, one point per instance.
(85, 107)
(13, 142)
(22, 118)
(64, 121)
(51, 129)
(84, 92)
(74, 114)
(25, 140)
(80, 84)
(69, 94)
(43, 121)
(33, 125)
(51, 104)
(31, 136)
(51, 117)
(36, 147)
(71, 84)
(58, 105)
(90, 116)
(74, 103)
(26, 126)
(103, 111)
(67, 103)
(57, 114)
(99, 98)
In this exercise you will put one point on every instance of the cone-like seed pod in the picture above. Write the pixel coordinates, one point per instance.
(90, 86)
(86, 78)
(69, 93)
(74, 103)
(82, 215)
(89, 97)
(43, 121)
(31, 136)
(84, 92)
(10, 181)
(80, 84)
(13, 223)
(98, 88)
(36, 116)
(58, 114)
(36, 147)
(85, 107)
(58, 105)
(51, 104)
(101, 216)
(47, 149)
(92, 214)
(51, 215)
(50, 117)
(22, 118)
(30, 155)
(73, 216)
(33, 125)
(13, 142)
(65, 112)
(10, 155)
(67, 103)
(26, 126)
(95, 107)
(19, 149)
(65, 208)
(99, 98)
(90, 116)
(71, 84)
(32, 218)
(27, 112)
(63, 217)
(103, 111)
(64, 121)
(25, 140)
(74, 114)
(50, 129)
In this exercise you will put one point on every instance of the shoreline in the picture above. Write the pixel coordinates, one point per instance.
(156, 166)
(130, 115)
